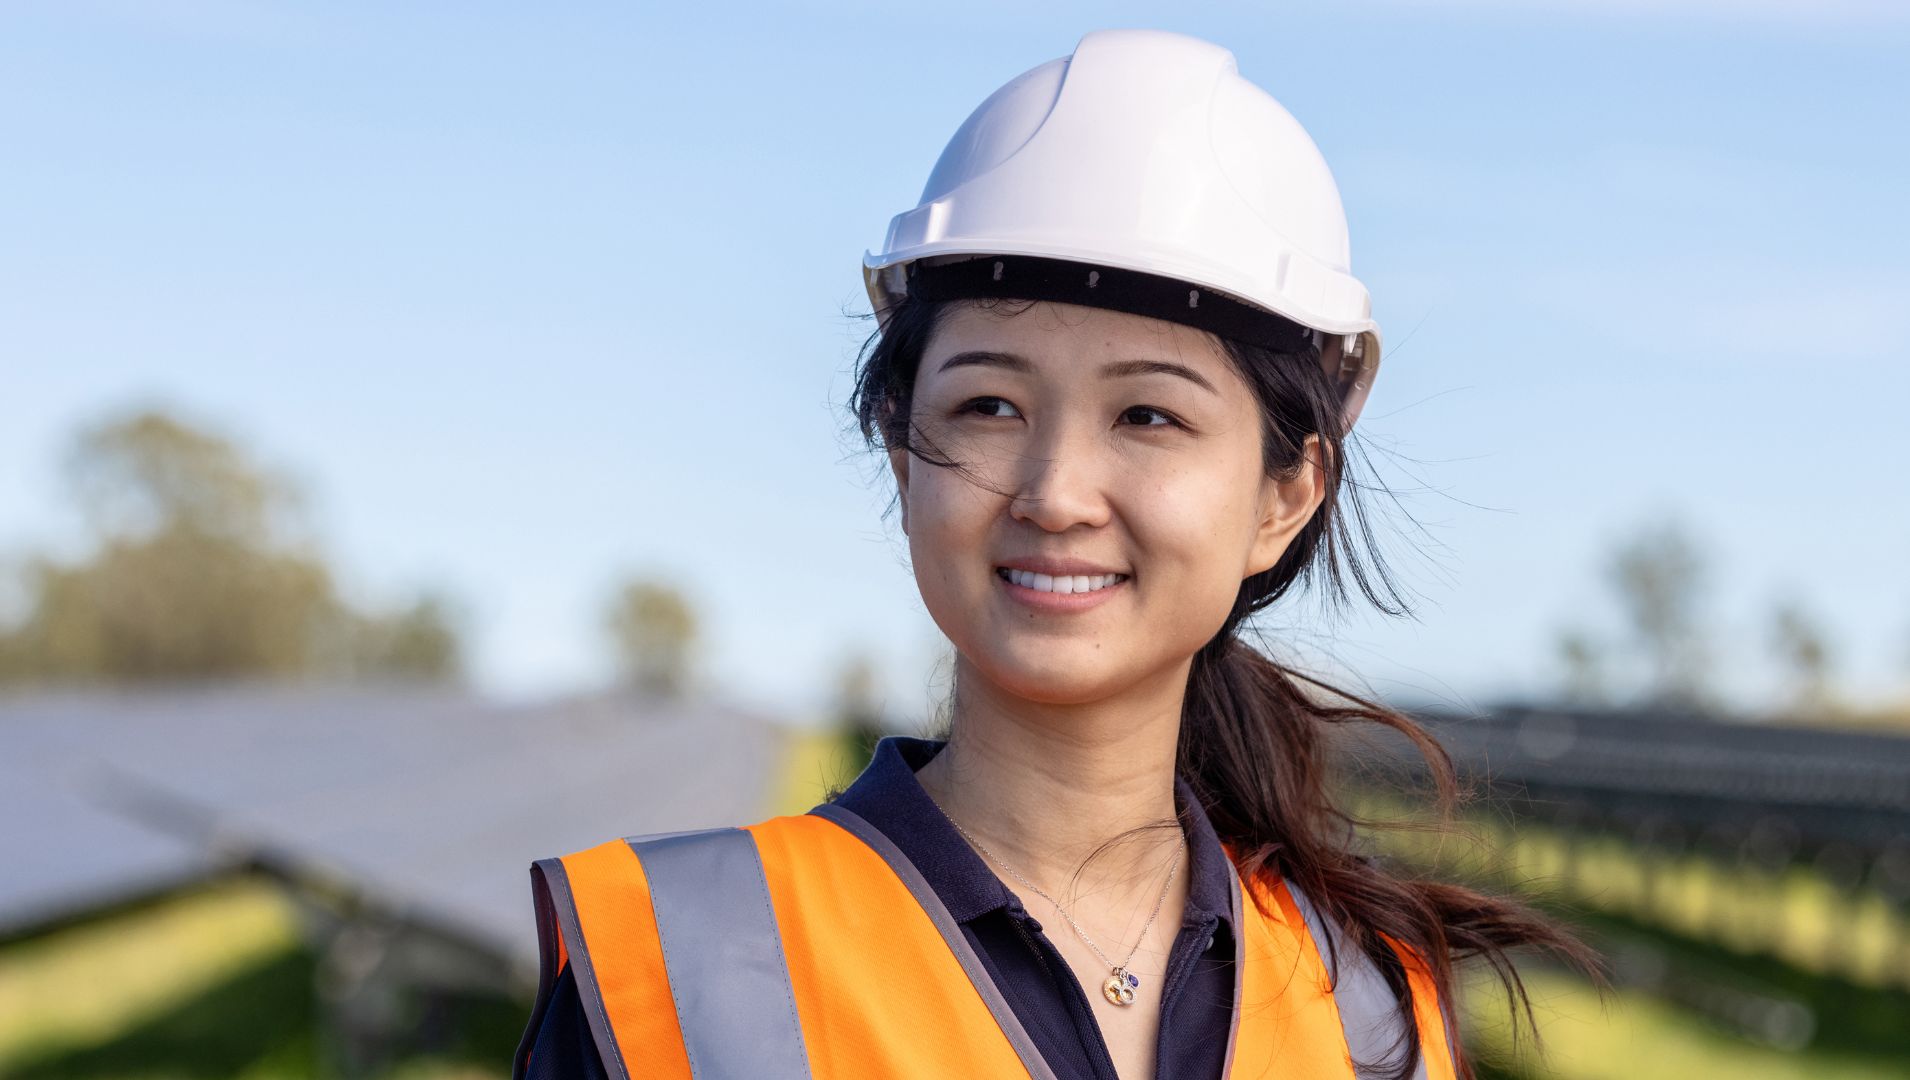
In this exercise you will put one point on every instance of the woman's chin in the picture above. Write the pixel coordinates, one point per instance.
(1056, 675)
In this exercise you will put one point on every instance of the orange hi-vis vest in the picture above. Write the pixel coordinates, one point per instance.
(808, 945)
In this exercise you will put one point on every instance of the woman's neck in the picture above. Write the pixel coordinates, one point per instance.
(1043, 786)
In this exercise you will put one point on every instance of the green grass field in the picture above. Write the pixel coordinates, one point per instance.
(1635, 1037)
(210, 982)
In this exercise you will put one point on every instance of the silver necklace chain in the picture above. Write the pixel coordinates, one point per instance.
(1119, 987)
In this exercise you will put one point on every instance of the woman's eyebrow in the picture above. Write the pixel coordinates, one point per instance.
(1111, 370)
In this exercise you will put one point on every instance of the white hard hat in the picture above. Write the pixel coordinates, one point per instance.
(1144, 151)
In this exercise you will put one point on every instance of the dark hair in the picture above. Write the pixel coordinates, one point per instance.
(1243, 709)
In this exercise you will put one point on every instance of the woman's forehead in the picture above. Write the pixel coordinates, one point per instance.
(1059, 338)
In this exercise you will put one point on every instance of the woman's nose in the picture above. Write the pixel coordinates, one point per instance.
(1062, 481)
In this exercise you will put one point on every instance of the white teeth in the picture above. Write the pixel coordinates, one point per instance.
(1062, 584)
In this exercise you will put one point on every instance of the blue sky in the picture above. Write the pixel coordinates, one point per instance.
(531, 298)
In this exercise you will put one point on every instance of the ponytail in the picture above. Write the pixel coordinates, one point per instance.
(1253, 746)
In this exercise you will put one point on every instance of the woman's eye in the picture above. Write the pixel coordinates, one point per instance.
(985, 403)
(1151, 410)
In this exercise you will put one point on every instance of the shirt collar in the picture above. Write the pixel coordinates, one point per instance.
(888, 796)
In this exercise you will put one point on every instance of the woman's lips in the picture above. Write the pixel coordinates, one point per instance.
(1054, 603)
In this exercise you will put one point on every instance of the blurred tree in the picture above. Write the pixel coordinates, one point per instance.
(858, 711)
(1583, 659)
(416, 640)
(1799, 641)
(655, 631)
(197, 571)
(1659, 577)
(146, 473)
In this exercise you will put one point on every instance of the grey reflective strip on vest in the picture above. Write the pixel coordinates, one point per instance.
(723, 954)
(1369, 1012)
(951, 932)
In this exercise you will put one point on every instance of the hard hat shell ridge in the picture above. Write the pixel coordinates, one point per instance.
(1146, 151)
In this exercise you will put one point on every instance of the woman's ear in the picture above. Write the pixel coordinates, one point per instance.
(1286, 506)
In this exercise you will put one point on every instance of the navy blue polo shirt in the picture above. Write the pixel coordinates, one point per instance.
(1196, 998)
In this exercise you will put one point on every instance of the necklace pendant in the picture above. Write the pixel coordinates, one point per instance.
(1119, 987)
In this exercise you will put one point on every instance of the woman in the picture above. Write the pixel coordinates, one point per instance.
(1118, 358)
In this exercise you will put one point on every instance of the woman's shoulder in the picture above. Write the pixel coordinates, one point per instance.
(690, 877)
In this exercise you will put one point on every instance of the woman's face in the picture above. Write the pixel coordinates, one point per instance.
(1121, 444)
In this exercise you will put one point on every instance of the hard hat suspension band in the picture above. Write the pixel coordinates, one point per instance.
(1032, 277)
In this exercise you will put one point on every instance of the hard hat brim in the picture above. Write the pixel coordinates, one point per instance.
(1349, 355)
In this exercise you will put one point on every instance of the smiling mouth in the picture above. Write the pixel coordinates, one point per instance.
(1063, 584)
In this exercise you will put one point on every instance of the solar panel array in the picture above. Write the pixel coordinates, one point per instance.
(429, 803)
(1793, 789)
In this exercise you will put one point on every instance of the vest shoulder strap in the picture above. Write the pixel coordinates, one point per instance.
(711, 950)
(1368, 1008)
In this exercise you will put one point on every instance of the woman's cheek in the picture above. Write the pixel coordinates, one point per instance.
(948, 554)
(1183, 575)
